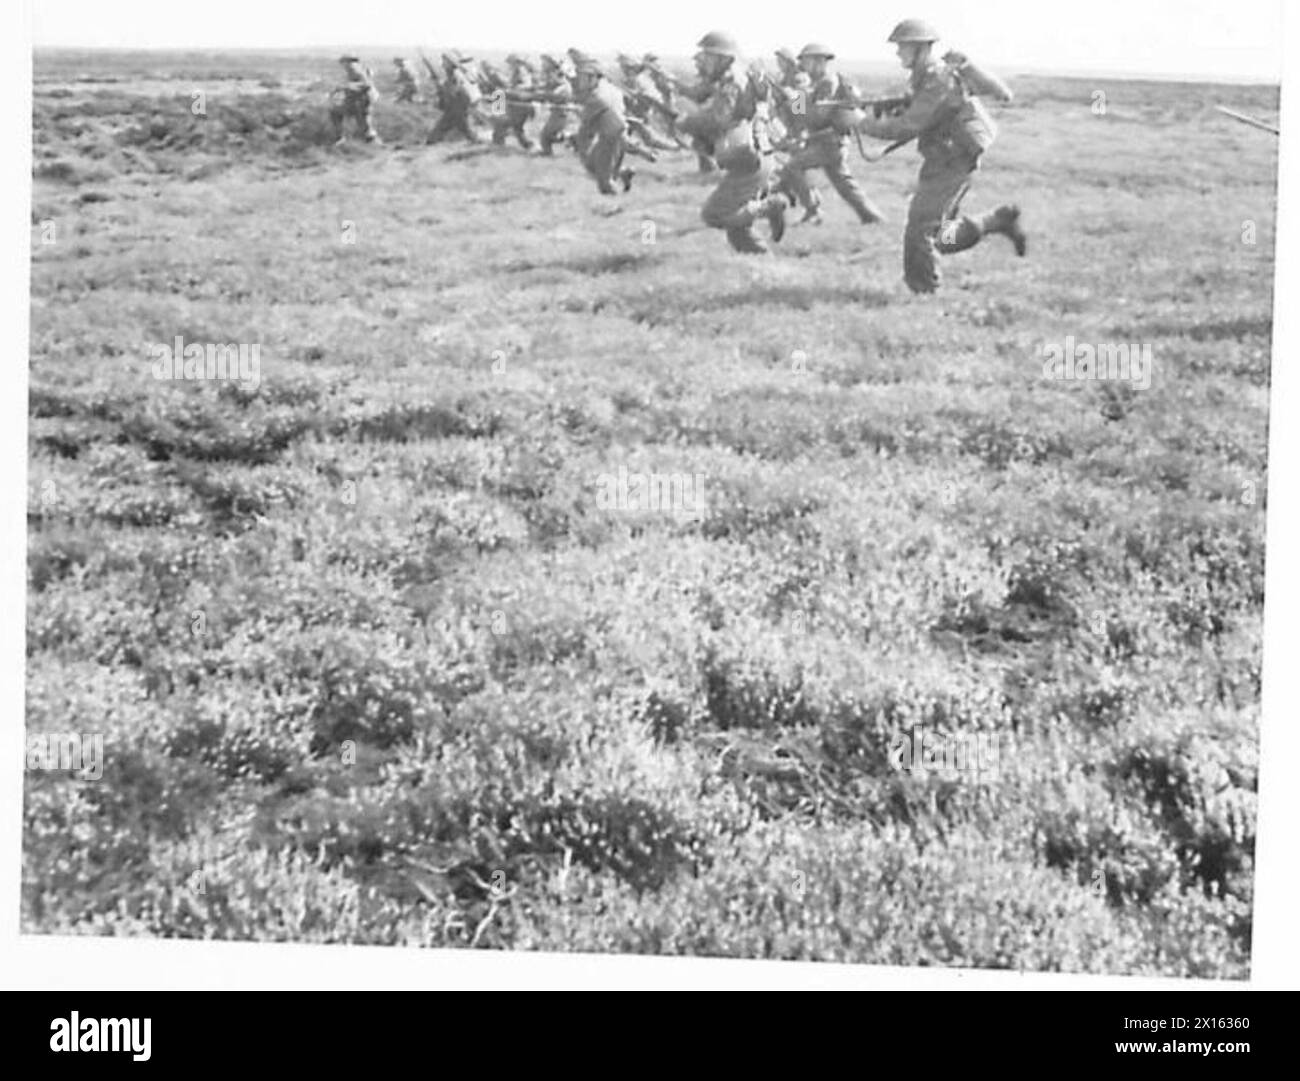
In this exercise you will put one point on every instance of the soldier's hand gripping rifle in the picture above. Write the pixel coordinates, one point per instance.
(850, 112)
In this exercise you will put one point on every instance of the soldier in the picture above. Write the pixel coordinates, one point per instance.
(788, 66)
(557, 91)
(408, 85)
(642, 103)
(601, 140)
(458, 95)
(354, 99)
(952, 129)
(827, 125)
(662, 81)
(725, 124)
(510, 113)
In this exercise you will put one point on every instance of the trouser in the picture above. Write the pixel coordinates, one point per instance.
(701, 141)
(454, 121)
(827, 152)
(513, 124)
(405, 92)
(602, 157)
(359, 112)
(557, 120)
(738, 201)
(933, 226)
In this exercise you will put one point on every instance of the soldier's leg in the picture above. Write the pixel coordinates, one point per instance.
(444, 126)
(553, 130)
(960, 233)
(793, 179)
(738, 202)
(468, 127)
(366, 123)
(836, 167)
(939, 187)
(602, 160)
(336, 122)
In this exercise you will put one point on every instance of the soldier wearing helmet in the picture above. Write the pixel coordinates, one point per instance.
(725, 124)
(458, 98)
(601, 140)
(557, 90)
(408, 85)
(952, 129)
(830, 114)
(788, 65)
(509, 112)
(354, 99)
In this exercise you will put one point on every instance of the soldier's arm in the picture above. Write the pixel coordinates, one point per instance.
(721, 107)
(926, 105)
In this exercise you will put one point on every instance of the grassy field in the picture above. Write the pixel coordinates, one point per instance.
(374, 661)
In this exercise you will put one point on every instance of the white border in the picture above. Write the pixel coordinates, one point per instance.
(117, 964)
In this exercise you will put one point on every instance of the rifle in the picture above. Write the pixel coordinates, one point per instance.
(524, 97)
(641, 97)
(879, 106)
(1244, 119)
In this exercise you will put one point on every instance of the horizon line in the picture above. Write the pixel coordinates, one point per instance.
(1231, 78)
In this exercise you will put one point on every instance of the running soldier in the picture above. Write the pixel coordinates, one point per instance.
(601, 140)
(953, 130)
(509, 111)
(725, 125)
(557, 92)
(353, 100)
(827, 126)
(642, 103)
(458, 96)
(408, 85)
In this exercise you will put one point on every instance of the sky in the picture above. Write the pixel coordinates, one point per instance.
(1237, 39)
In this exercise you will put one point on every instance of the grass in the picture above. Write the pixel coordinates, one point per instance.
(373, 665)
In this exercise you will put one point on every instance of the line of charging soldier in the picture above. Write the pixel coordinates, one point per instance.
(762, 134)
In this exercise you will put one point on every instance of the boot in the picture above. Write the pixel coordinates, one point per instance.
(773, 209)
(742, 239)
(626, 176)
(1006, 222)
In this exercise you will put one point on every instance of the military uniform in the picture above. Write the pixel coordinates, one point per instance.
(642, 102)
(952, 129)
(510, 116)
(557, 89)
(458, 95)
(354, 100)
(726, 123)
(407, 83)
(602, 131)
(825, 130)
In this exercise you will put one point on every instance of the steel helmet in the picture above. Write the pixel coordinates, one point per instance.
(649, 58)
(716, 43)
(784, 54)
(813, 49)
(913, 30)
